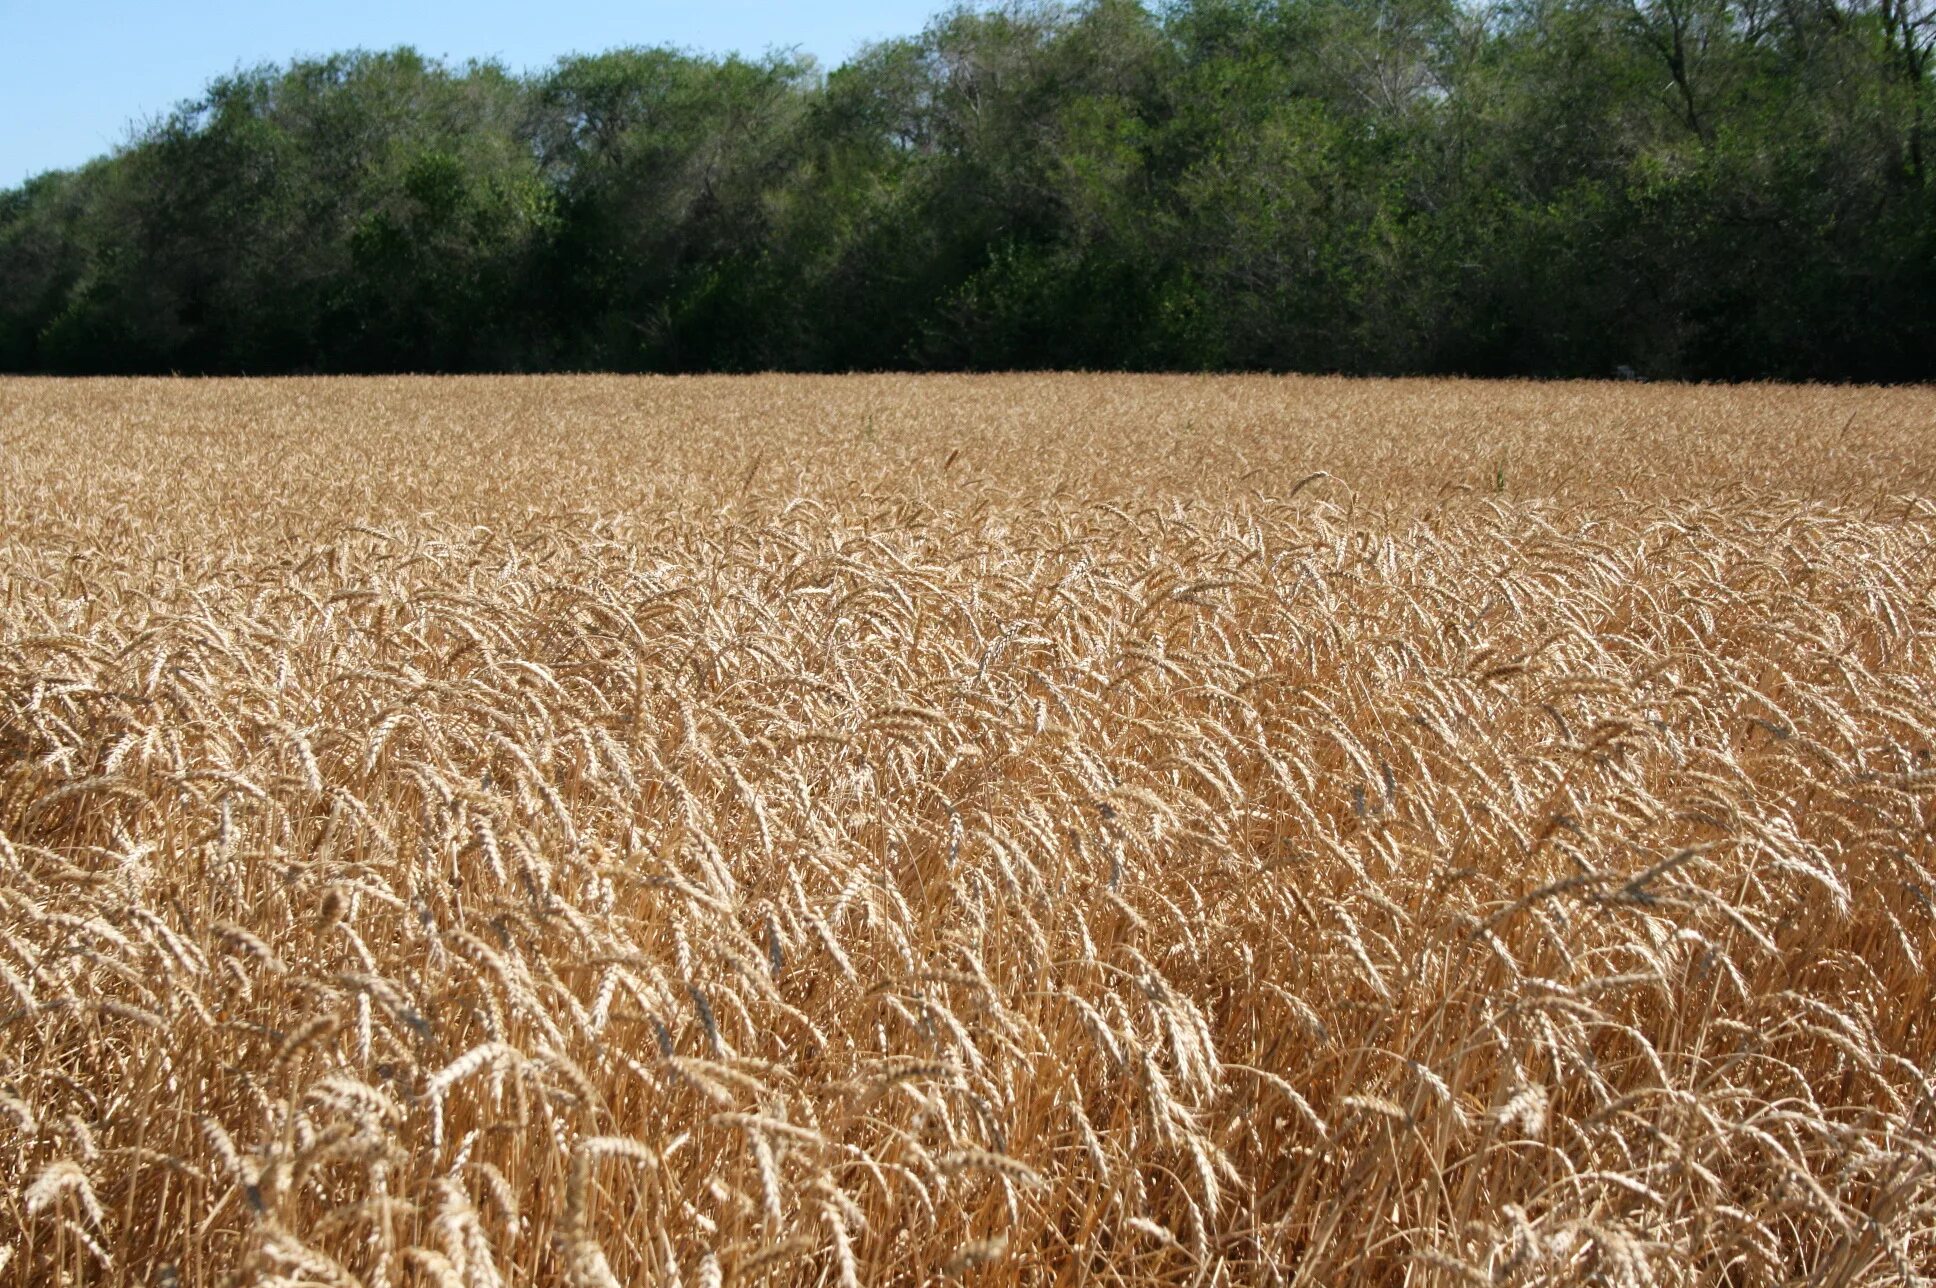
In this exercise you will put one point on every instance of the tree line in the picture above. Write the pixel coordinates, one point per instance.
(1679, 188)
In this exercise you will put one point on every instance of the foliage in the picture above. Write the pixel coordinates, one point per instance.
(1712, 188)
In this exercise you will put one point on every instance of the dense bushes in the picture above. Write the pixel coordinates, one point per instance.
(1707, 188)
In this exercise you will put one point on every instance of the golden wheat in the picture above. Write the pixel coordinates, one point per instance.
(1055, 828)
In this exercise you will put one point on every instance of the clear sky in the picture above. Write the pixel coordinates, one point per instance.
(75, 73)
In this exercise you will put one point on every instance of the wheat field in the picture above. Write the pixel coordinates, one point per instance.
(1008, 830)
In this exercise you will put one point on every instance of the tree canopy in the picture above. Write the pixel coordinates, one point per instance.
(1683, 188)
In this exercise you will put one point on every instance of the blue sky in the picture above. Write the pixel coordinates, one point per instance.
(75, 73)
